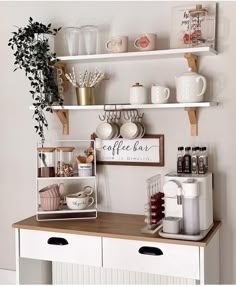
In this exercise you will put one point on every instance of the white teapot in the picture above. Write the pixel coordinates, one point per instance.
(190, 87)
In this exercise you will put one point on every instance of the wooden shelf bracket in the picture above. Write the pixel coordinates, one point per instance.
(192, 115)
(192, 61)
(63, 116)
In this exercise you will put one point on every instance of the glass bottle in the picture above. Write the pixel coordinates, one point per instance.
(201, 169)
(198, 26)
(187, 161)
(194, 161)
(180, 155)
(205, 159)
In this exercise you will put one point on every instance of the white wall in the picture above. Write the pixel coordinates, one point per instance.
(121, 189)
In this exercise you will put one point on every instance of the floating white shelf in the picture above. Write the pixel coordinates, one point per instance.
(146, 55)
(191, 108)
(131, 106)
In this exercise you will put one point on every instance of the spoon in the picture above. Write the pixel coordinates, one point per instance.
(43, 158)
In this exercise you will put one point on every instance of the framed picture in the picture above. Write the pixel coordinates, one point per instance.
(201, 25)
(146, 151)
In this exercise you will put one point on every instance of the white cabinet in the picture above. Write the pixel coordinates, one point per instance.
(114, 243)
(62, 247)
(157, 258)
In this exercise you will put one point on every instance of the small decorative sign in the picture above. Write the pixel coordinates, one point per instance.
(146, 151)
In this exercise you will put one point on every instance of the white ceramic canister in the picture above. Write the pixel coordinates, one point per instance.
(190, 87)
(85, 169)
(138, 94)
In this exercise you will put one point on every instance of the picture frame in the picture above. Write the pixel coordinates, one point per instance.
(145, 151)
(180, 29)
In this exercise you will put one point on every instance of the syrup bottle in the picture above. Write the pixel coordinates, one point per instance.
(180, 167)
(194, 161)
(201, 169)
(187, 161)
(205, 159)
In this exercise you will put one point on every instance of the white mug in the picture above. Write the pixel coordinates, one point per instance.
(118, 44)
(146, 42)
(79, 202)
(160, 94)
(87, 191)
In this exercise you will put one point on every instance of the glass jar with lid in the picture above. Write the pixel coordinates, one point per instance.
(198, 26)
(89, 39)
(46, 161)
(65, 161)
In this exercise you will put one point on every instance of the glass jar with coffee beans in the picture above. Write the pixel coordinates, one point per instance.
(64, 166)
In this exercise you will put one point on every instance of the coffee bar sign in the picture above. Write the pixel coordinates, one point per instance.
(146, 151)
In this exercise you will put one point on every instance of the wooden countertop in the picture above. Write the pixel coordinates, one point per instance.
(114, 225)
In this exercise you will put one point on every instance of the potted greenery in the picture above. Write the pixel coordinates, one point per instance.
(32, 54)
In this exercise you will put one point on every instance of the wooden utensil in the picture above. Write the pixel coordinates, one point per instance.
(89, 159)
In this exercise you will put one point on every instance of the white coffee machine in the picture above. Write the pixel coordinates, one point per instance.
(188, 195)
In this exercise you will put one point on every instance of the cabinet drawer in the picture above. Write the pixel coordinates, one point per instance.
(175, 260)
(63, 247)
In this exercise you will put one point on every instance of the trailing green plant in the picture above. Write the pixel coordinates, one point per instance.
(32, 54)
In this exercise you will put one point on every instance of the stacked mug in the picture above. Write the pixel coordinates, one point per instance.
(50, 198)
(130, 130)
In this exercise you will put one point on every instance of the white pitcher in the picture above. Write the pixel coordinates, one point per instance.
(190, 87)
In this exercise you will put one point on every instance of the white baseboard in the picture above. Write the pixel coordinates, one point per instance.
(7, 277)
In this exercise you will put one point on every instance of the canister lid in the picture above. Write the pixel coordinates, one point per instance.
(65, 149)
(137, 84)
(198, 10)
(46, 149)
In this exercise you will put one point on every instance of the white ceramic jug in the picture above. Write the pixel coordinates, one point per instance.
(190, 87)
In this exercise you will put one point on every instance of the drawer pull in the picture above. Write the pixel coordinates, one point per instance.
(57, 241)
(148, 250)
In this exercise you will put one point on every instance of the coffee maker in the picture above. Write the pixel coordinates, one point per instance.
(188, 206)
